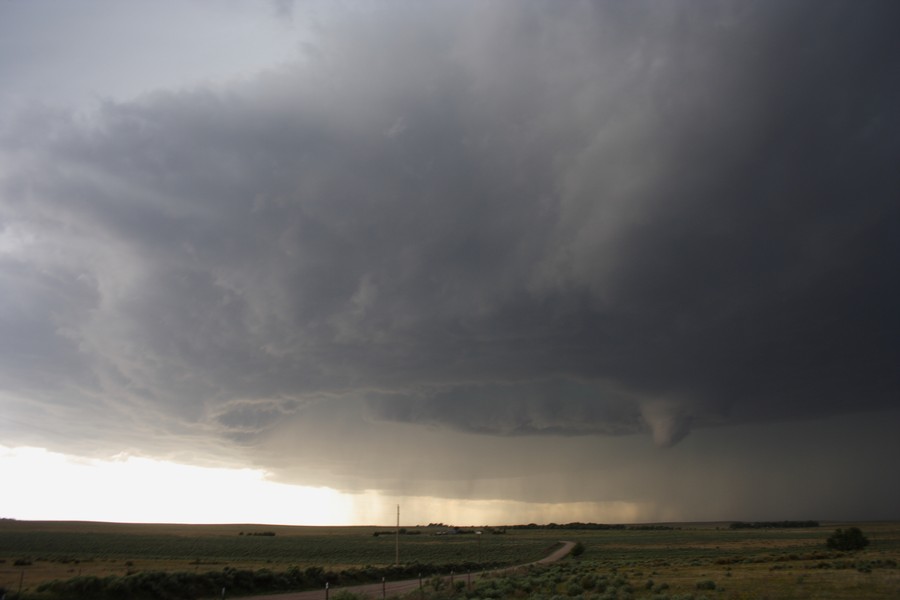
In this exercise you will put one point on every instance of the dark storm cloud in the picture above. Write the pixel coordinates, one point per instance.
(537, 218)
(522, 408)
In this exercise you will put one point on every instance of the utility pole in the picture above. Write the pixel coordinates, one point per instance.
(397, 545)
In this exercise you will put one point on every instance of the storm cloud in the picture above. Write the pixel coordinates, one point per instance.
(502, 219)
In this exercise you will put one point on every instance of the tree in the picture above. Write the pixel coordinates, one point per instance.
(847, 539)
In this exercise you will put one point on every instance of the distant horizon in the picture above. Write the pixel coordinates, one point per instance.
(434, 526)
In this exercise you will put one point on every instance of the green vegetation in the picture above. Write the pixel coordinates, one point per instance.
(75, 561)
(848, 539)
(187, 585)
(222, 544)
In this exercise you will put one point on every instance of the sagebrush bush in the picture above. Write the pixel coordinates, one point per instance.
(707, 584)
(847, 540)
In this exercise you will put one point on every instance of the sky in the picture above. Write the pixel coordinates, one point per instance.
(493, 262)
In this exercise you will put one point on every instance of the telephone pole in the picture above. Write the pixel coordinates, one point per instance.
(397, 545)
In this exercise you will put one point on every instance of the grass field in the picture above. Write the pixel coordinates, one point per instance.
(61, 550)
(754, 563)
(749, 564)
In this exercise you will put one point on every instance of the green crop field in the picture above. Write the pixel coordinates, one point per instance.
(688, 560)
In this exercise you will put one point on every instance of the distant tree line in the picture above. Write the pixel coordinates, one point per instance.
(594, 526)
(574, 525)
(774, 525)
(401, 531)
(260, 533)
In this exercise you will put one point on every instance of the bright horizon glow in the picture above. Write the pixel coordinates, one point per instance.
(57, 487)
(50, 486)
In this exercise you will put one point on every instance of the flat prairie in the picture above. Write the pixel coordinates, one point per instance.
(684, 559)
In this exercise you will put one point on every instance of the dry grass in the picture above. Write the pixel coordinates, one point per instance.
(743, 564)
(759, 582)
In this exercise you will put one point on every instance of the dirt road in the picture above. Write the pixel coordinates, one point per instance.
(397, 588)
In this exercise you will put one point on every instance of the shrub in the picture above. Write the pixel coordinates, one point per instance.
(707, 584)
(589, 582)
(847, 540)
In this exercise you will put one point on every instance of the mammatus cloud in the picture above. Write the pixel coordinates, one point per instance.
(585, 219)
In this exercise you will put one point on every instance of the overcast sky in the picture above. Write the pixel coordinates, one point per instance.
(609, 261)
